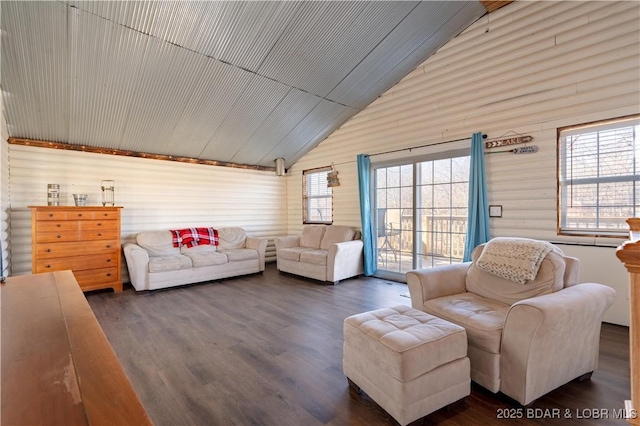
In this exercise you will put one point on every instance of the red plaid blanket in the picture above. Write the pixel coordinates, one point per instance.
(192, 237)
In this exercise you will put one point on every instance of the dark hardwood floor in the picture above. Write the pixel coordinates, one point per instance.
(266, 349)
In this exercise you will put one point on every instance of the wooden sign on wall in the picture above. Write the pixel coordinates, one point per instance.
(508, 141)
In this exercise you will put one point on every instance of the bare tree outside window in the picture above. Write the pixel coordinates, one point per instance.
(317, 197)
(599, 177)
(421, 213)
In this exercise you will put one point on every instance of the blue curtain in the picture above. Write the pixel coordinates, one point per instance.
(365, 214)
(478, 216)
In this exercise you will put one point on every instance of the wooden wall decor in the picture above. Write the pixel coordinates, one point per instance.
(97, 150)
(492, 5)
(508, 141)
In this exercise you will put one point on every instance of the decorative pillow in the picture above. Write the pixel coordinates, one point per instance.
(336, 234)
(548, 280)
(312, 236)
(157, 243)
(232, 237)
(205, 248)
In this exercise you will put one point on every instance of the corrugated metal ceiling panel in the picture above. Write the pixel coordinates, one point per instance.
(35, 69)
(217, 80)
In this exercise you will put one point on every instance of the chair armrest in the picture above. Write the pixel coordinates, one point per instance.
(344, 260)
(259, 244)
(137, 260)
(550, 340)
(285, 242)
(427, 284)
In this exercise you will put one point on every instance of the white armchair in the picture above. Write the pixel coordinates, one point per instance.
(523, 339)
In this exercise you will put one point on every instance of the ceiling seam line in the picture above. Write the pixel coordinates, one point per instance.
(209, 57)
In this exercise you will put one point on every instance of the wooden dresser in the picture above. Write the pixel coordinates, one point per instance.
(85, 240)
(58, 367)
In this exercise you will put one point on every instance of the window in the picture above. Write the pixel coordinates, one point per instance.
(598, 177)
(317, 198)
(421, 212)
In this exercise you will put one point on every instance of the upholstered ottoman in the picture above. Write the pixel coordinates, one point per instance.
(409, 362)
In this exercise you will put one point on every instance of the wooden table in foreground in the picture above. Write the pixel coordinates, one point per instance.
(57, 365)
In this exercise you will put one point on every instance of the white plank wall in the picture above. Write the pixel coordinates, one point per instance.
(527, 68)
(4, 194)
(155, 194)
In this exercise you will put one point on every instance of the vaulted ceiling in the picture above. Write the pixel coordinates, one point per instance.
(232, 82)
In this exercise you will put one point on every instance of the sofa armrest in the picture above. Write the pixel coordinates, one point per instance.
(344, 260)
(259, 244)
(550, 340)
(285, 242)
(427, 284)
(137, 260)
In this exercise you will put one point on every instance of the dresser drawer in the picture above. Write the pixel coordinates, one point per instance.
(59, 225)
(78, 263)
(60, 249)
(92, 277)
(99, 234)
(81, 214)
(99, 224)
(51, 215)
(56, 237)
(106, 215)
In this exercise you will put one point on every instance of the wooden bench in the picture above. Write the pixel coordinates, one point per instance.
(57, 365)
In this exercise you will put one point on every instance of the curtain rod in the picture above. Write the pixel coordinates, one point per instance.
(421, 146)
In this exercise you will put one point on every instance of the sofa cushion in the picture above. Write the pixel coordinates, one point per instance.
(157, 243)
(482, 318)
(205, 248)
(236, 255)
(312, 236)
(314, 257)
(232, 237)
(336, 234)
(169, 263)
(292, 253)
(550, 279)
(206, 258)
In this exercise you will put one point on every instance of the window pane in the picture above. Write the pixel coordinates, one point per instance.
(442, 171)
(598, 176)
(317, 197)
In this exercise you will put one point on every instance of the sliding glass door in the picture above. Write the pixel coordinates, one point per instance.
(420, 215)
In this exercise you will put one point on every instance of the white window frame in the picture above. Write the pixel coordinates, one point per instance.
(568, 184)
(308, 194)
(434, 152)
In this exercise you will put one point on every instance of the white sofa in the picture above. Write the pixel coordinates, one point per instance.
(322, 252)
(153, 261)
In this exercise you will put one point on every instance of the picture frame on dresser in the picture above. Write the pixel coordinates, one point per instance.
(85, 240)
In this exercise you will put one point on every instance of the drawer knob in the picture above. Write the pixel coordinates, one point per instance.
(99, 224)
(108, 260)
(79, 214)
(108, 245)
(58, 225)
(48, 250)
(99, 234)
(47, 266)
(50, 214)
(108, 274)
(106, 214)
(58, 236)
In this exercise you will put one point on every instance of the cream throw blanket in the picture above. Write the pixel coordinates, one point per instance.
(515, 259)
